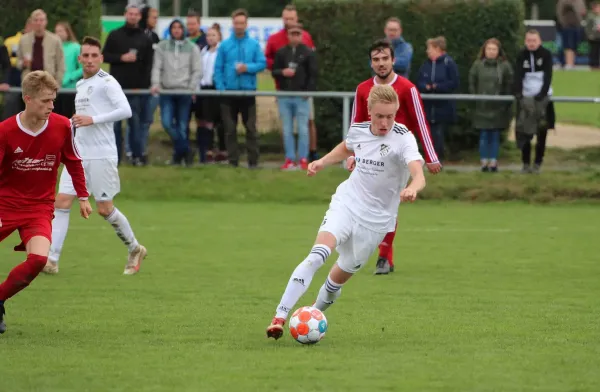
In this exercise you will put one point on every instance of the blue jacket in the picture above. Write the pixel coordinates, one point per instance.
(442, 72)
(238, 50)
(403, 52)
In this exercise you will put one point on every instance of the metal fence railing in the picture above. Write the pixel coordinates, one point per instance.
(346, 97)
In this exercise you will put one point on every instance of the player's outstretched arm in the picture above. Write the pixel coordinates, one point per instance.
(338, 154)
(417, 182)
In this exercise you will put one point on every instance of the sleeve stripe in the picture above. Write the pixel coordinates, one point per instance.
(75, 150)
(353, 118)
(428, 144)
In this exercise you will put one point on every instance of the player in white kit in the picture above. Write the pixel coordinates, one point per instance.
(99, 102)
(364, 207)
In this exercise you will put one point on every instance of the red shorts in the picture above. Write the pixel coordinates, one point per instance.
(28, 224)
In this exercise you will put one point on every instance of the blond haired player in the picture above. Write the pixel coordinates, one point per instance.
(364, 207)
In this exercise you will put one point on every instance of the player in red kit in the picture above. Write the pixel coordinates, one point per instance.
(32, 145)
(410, 113)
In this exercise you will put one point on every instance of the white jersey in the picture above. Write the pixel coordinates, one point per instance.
(102, 98)
(372, 192)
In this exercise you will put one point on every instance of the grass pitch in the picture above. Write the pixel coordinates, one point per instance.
(487, 297)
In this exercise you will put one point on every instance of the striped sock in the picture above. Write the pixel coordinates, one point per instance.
(301, 278)
(329, 292)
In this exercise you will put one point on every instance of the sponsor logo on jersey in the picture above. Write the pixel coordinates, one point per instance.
(50, 160)
(31, 164)
(370, 162)
(18, 150)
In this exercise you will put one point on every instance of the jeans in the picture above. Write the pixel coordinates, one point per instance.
(147, 118)
(134, 130)
(175, 116)
(437, 134)
(489, 143)
(291, 108)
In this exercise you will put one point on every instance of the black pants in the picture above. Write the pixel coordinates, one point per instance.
(594, 54)
(65, 104)
(231, 107)
(540, 148)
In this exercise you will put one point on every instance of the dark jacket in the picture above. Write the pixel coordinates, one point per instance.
(4, 65)
(305, 78)
(533, 73)
(442, 72)
(491, 77)
(119, 42)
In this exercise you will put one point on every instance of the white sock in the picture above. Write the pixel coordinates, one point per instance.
(484, 162)
(330, 291)
(60, 226)
(301, 278)
(123, 229)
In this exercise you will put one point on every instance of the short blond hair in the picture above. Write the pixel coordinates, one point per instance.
(382, 93)
(37, 81)
(36, 13)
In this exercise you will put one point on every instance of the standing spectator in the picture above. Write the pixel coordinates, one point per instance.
(208, 108)
(65, 102)
(13, 102)
(295, 69)
(4, 69)
(592, 27)
(438, 75)
(491, 74)
(239, 59)
(147, 24)
(41, 50)
(533, 86)
(403, 51)
(570, 13)
(279, 40)
(128, 50)
(177, 66)
(194, 30)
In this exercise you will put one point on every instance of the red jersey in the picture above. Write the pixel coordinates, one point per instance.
(29, 163)
(279, 40)
(410, 113)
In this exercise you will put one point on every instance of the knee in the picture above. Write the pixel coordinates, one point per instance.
(105, 209)
(63, 202)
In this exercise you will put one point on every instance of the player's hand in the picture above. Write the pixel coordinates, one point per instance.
(85, 208)
(434, 168)
(315, 167)
(4, 86)
(82, 121)
(350, 163)
(408, 194)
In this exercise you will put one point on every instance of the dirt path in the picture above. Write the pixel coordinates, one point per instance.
(570, 136)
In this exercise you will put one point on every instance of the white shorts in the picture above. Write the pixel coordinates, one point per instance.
(101, 178)
(355, 243)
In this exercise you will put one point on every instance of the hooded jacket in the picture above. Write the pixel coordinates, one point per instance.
(177, 63)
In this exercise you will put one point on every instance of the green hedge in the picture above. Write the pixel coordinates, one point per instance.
(84, 15)
(344, 29)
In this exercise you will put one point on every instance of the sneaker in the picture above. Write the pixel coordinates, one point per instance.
(275, 330)
(2, 324)
(537, 168)
(134, 262)
(51, 267)
(289, 165)
(382, 267)
(526, 169)
(494, 169)
(485, 169)
(304, 164)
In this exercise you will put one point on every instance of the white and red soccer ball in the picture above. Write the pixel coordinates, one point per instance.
(308, 325)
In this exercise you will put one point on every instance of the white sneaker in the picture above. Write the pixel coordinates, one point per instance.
(134, 262)
(51, 267)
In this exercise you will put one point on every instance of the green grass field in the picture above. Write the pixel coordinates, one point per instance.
(580, 84)
(486, 297)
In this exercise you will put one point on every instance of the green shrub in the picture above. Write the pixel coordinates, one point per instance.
(83, 15)
(344, 29)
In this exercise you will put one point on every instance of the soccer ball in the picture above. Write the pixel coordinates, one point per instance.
(308, 325)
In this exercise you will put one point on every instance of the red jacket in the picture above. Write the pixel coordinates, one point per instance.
(279, 40)
(410, 113)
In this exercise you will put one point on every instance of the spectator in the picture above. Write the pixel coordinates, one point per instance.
(438, 75)
(279, 40)
(239, 59)
(41, 50)
(533, 80)
(128, 50)
(570, 13)
(403, 51)
(208, 108)
(592, 27)
(491, 74)
(65, 102)
(4, 69)
(177, 66)
(13, 102)
(148, 22)
(295, 69)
